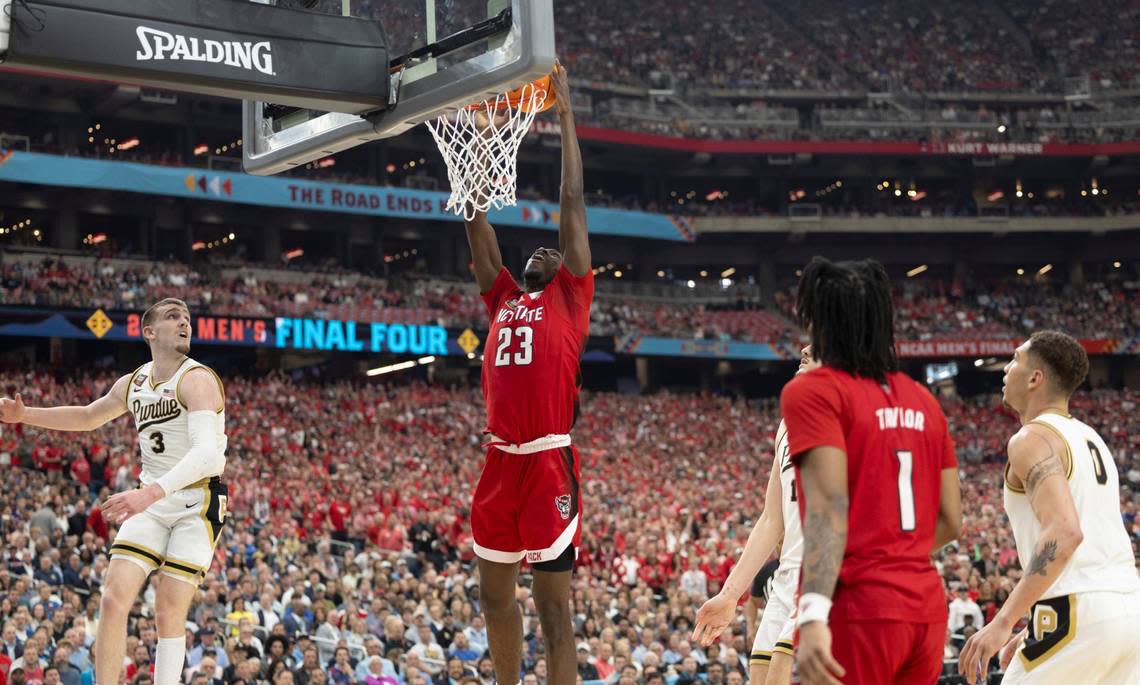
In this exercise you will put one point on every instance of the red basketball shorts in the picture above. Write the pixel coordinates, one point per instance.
(896, 652)
(527, 506)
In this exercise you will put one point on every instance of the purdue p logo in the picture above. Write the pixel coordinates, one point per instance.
(562, 502)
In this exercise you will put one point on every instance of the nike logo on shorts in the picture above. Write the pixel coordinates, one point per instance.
(191, 506)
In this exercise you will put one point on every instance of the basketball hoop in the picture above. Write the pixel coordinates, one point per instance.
(480, 145)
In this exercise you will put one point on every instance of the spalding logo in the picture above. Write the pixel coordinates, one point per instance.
(160, 45)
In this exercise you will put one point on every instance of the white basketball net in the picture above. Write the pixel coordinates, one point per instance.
(480, 147)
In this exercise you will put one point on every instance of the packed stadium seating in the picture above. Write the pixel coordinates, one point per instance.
(926, 310)
(366, 516)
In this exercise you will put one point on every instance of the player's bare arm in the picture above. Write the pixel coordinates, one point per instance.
(485, 255)
(717, 613)
(823, 472)
(69, 418)
(1035, 459)
(573, 241)
(201, 393)
(949, 524)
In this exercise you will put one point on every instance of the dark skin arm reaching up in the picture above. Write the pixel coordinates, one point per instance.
(573, 239)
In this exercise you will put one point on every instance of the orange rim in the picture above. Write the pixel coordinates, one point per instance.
(519, 98)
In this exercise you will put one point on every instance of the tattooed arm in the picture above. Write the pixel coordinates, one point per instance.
(823, 472)
(1038, 458)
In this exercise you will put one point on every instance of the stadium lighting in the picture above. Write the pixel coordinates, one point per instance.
(704, 274)
(381, 370)
(660, 274)
(425, 360)
(1001, 128)
(917, 270)
(128, 144)
(1045, 269)
(1021, 272)
(691, 283)
(470, 355)
(726, 283)
(201, 150)
(728, 272)
(617, 274)
(979, 362)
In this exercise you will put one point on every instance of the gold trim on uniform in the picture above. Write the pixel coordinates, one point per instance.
(1068, 451)
(1011, 486)
(221, 386)
(154, 385)
(783, 647)
(130, 383)
(137, 551)
(759, 658)
(1040, 619)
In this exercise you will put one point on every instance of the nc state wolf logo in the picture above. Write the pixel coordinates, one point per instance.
(563, 504)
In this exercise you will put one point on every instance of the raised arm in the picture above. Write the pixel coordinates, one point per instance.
(484, 251)
(573, 240)
(70, 418)
(717, 613)
(1035, 459)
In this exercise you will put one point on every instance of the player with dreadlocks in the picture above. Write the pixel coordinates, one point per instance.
(877, 485)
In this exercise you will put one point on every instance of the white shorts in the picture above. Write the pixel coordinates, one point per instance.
(176, 534)
(778, 625)
(1088, 637)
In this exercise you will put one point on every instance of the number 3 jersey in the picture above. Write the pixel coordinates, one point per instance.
(897, 444)
(531, 358)
(1103, 561)
(161, 418)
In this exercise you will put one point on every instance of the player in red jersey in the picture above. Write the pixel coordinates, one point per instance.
(526, 505)
(871, 448)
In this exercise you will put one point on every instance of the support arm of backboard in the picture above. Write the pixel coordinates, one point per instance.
(525, 53)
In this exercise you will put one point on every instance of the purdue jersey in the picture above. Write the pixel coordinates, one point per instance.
(1103, 561)
(792, 548)
(161, 418)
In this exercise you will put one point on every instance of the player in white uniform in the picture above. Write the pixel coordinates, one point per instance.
(171, 522)
(771, 660)
(1080, 588)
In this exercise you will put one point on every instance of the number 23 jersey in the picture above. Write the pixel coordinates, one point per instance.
(531, 358)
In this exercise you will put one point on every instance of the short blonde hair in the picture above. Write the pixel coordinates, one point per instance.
(149, 315)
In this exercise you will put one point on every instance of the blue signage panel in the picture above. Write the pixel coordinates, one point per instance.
(272, 191)
(705, 349)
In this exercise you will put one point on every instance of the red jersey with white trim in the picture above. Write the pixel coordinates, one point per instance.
(531, 359)
(897, 443)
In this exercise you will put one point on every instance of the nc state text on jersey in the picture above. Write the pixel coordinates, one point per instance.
(520, 315)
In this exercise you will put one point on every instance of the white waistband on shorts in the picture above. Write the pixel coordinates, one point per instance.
(546, 442)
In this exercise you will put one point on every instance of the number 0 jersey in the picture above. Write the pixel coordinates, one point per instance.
(161, 418)
(1103, 561)
(531, 358)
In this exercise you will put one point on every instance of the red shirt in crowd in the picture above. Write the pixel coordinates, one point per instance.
(533, 349)
(897, 443)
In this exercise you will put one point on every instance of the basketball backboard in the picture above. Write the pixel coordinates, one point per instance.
(445, 54)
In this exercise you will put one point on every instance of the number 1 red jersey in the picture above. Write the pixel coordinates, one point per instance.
(897, 443)
(531, 359)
